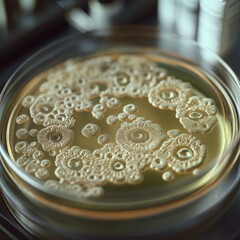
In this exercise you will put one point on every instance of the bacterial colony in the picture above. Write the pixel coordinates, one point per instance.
(109, 120)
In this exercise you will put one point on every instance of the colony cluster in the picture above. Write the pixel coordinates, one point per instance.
(95, 86)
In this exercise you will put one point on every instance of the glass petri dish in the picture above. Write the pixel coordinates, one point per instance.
(128, 132)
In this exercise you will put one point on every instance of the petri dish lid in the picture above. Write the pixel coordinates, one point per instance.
(120, 120)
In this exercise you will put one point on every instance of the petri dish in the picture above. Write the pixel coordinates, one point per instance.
(127, 132)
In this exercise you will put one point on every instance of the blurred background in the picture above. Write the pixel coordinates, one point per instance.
(28, 25)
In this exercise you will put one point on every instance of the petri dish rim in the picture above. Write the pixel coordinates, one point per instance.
(116, 34)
